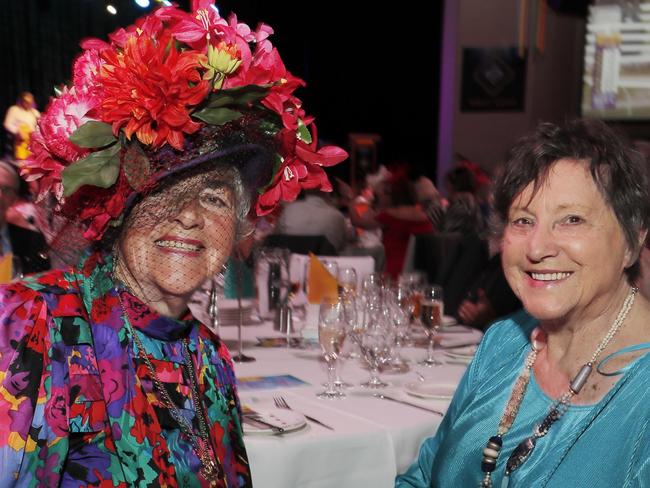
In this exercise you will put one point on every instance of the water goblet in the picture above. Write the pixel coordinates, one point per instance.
(331, 336)
(431, 311)
(347, 279)
(375, 349)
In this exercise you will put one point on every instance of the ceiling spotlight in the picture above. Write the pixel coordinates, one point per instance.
(142, 3)
(111, 10)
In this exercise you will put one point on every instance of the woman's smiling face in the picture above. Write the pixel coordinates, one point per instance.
(563, 250)
(180, 236)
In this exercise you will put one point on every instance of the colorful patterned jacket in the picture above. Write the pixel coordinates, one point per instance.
(77, 406)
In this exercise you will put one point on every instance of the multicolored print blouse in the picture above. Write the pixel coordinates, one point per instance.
(77, 405)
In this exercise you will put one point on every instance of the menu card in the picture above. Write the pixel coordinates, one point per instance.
(249, 383)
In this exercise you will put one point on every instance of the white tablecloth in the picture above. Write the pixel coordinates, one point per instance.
(373, 439)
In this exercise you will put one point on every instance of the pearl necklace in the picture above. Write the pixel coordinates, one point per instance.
(559, 407)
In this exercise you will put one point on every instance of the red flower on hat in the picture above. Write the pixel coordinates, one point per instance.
(149, 90)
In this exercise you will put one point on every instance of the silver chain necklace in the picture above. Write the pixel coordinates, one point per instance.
(210, 467)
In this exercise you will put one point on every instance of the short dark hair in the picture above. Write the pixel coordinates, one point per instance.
(618, 172)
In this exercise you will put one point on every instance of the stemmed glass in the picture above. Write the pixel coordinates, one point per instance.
(372, 337)
(398, 306)
(331, 335)
(375, 348)
(431, 311)
(347, 279)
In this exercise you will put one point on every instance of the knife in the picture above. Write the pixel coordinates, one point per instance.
(396, 400)
(316, 421)
(256, 420)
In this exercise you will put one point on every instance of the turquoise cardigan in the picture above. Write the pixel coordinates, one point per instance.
(603, 445)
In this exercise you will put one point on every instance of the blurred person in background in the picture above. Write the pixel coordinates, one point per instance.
(20, 122)
(312, 214)
(26, 245)
(398, 216)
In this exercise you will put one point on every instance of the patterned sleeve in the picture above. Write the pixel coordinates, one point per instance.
(33, 416)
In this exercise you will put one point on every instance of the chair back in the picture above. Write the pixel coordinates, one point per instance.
(318, 244)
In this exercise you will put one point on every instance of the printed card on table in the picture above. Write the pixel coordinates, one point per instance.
(250, 383)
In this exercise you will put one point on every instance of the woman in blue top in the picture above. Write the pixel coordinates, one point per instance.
(558, 395)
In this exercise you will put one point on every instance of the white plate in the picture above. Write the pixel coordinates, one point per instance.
(430, 389)
(465, 352)
(287, 419)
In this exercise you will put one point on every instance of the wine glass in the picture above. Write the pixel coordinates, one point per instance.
(431, 311)
(347, 279)
(375, 348)
(331, 335)
(404, 300)
(397, 305)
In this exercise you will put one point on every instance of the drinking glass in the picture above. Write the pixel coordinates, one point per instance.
(375, 349)
(347, 279)
(431, 311)
(331, 335)
(403, 294)
(397, 305)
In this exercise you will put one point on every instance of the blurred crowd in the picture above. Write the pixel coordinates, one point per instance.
(395, 214)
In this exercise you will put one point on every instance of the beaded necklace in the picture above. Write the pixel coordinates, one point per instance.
(557, 410)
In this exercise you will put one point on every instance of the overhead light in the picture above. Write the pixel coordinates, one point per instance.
(111, 10)
(142, 3)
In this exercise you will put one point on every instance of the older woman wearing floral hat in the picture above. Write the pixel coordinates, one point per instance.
(152, 157)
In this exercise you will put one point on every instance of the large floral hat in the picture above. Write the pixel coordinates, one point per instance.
(165, 93)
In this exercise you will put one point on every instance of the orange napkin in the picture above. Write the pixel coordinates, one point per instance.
(6, 262)
(320, 283)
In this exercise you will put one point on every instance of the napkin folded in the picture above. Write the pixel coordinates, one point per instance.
(321, 285)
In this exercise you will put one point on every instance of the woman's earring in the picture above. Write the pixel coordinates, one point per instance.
(213, 309)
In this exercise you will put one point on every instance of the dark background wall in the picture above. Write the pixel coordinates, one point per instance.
(368, 69)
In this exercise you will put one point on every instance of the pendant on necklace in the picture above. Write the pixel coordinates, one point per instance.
(520, 454)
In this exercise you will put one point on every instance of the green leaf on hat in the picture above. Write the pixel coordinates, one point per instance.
(240, 96)
(277, 164)
(99, 168)
(303, 132)
(217, 116)
(93, 134)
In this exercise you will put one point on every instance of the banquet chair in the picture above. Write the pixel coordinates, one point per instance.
(301, 244)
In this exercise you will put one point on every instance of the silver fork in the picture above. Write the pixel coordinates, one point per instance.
(280, 402)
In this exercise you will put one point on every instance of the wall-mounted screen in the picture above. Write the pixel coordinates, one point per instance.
(616, 78)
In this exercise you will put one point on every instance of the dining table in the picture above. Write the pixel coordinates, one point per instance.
(366, 440)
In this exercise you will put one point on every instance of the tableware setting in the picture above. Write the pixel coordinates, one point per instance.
(274, 421)
(461, 354)
(280, 402)
(431, 389)
(394, 399)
